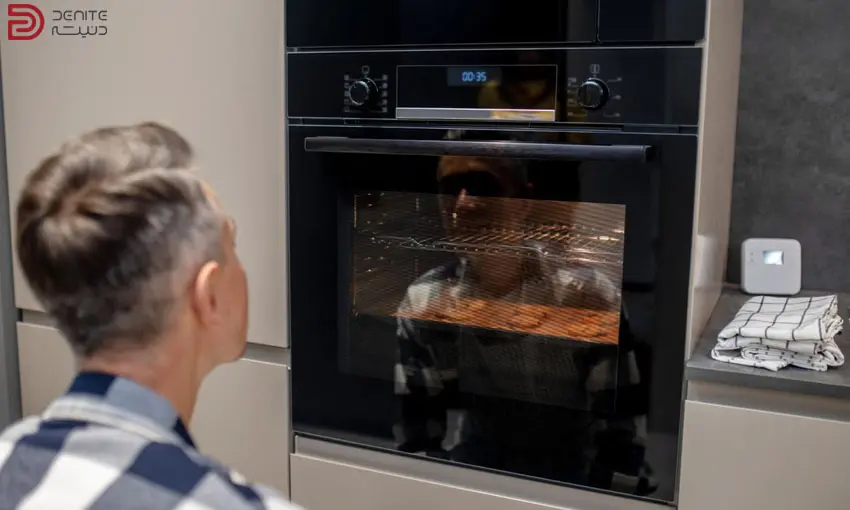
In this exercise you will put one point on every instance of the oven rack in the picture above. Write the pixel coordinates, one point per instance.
(563, 245)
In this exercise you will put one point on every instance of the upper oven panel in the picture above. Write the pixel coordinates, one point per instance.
(346, 23)
(411, 23)
(651, 20)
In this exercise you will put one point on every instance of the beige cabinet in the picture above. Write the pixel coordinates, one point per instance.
(324, 485)
(242, 416)
(242, 419)
(46, 366)
(211, 69)
(329, 476)
(742, 459)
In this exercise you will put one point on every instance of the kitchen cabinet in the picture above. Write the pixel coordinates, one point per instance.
(742, 459)
(213, 70)
(330, 476)
(45, 364)
(242, 419)
(325, 485)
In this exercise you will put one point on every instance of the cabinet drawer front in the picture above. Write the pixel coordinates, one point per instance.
(737, 458)
(242, 419)
(324, 485)
(46, 366)
(328, 476)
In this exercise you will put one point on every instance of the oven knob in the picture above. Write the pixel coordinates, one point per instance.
(362, 92)
(593, 94)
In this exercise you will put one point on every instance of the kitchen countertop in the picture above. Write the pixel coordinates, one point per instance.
(833, 383)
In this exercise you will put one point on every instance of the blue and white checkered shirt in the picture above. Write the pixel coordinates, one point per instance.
(110, 443)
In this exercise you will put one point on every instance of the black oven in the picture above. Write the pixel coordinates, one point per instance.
(381, 23)
(490, 256)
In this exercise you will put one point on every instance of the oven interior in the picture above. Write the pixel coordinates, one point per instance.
(570, 254)
(413, 259)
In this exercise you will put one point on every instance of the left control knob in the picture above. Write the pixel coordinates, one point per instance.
(362, 92)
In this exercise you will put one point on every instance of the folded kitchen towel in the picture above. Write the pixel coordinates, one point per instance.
(775, 332)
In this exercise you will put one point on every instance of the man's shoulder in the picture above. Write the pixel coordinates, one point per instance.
(429, 285)
(18, 429)
(80, 465)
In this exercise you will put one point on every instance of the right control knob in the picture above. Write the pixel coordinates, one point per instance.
(593, 94)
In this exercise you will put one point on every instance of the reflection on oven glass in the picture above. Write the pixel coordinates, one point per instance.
(485, 265)
(508, 313)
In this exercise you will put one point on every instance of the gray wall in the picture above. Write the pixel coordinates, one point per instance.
(792, 169)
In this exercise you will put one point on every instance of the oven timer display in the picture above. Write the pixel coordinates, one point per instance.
(473, 76)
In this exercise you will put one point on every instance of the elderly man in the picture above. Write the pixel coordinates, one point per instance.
(131, 255)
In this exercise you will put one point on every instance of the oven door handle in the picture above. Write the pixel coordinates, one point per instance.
(484, 149)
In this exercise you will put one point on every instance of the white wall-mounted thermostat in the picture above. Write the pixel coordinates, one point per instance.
(771, 267)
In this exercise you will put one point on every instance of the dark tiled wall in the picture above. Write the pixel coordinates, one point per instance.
(792, 168)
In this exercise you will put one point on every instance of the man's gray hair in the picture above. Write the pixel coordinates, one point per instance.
(110, 230)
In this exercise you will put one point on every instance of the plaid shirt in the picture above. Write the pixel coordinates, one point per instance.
(109, 443)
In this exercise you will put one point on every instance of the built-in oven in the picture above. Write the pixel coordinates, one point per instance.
(379, 23)
(490, 254)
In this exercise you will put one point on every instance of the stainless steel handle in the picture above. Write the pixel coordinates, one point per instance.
(485, 149)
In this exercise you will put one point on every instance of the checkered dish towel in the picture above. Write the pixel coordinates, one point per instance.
(775, 332)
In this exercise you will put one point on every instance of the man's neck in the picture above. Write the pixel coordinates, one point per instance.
(179, 386)
(497, 277)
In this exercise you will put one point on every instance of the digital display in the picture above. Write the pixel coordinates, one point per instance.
(774, 257)
(473, 76)
(510, 93)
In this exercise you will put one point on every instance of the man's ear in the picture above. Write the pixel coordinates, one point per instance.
(204, 293)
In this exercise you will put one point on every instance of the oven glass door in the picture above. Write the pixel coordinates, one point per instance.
(343, 23)
(509, 301)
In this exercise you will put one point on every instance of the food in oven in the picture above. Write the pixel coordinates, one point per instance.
(582, 324)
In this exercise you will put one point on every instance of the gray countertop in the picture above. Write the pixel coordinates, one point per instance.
(701, 367)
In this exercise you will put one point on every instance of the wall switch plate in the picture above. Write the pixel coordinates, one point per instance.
(771, 267)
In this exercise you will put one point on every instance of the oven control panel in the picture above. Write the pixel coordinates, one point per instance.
(595, 86)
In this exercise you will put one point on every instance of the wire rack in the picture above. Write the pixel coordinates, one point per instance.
(563, 243)
(561, 231)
